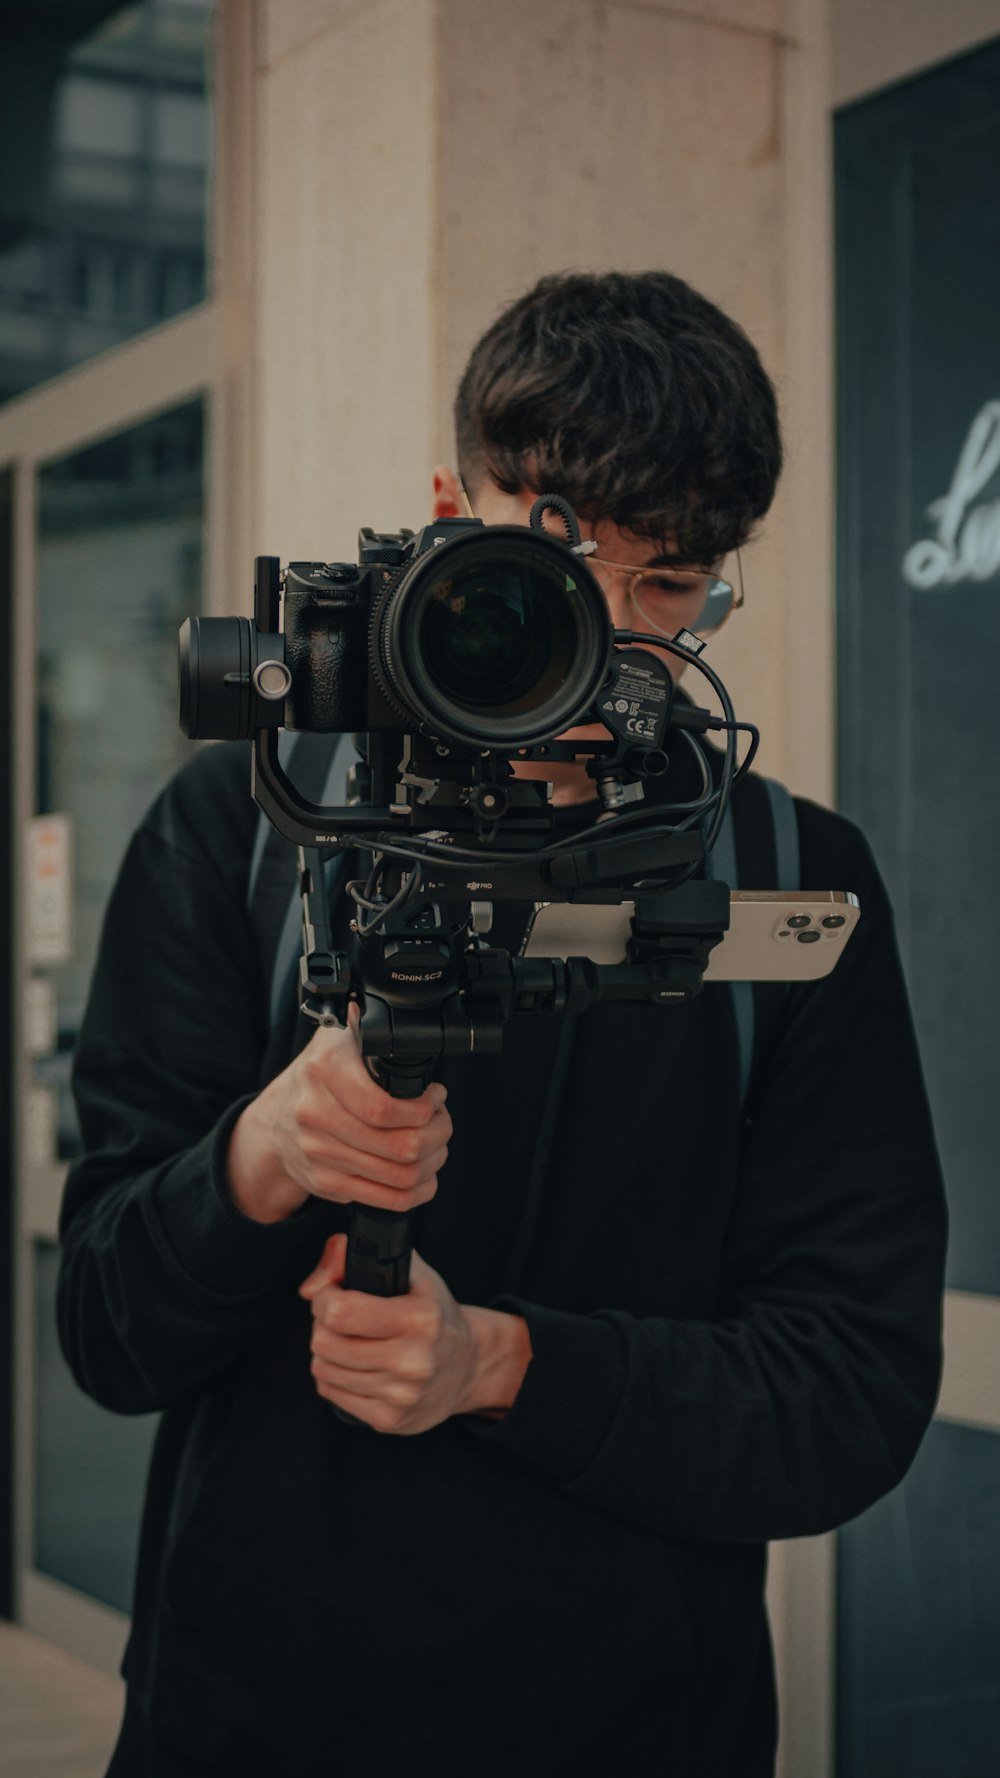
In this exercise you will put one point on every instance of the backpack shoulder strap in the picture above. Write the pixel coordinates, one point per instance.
(319, 765)
(722, 865)
(786, 835)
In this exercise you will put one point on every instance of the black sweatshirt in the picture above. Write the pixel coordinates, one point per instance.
(734, 1319)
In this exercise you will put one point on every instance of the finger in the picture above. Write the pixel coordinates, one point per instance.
(353, 1188)
(382, 1414)
(368, 1385)
(360, 1407)
(341, 1071)
(339, 1138)
(372, 1318)
(333, 1058)
(353, 1356)
(393, 1177)
(351, 1353)
(330, 1269)
(423, 1277)
(433, 1095)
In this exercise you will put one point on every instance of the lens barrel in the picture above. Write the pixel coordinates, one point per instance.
(499, 636)
(232, 678)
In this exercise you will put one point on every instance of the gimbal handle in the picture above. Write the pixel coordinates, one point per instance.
(379, 1245)
(380, 1242)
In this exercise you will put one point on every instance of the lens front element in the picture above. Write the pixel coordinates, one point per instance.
(499, 637)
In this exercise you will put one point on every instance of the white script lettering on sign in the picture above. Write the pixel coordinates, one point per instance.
(967, 546)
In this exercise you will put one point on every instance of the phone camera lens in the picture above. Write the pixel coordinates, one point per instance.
(796, 920)
(808, 938)
(832, 921)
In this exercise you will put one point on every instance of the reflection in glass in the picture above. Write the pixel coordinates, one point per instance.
(918, 703)
(90, 1468)
(119, 567)
(919, 1630)
(104, 163)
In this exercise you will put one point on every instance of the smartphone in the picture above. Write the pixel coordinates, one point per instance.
(771, 938)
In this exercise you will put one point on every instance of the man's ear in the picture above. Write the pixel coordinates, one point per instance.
(448, 502)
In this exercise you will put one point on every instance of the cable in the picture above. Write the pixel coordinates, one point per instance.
(555, 503)
(747, 728)
(602, 833)
(381, 910)
(606, 831)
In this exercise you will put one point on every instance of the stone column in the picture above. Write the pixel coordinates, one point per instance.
(391, 172)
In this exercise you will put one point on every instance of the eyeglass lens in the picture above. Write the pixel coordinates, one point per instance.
(666, 603)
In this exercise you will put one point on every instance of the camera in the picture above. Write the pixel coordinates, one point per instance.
(485, 637)
(451, 652)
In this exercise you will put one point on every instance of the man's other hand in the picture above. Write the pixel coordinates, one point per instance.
(324, 1128)
(404, 1363)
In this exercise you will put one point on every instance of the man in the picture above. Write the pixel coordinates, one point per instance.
(653, 1324)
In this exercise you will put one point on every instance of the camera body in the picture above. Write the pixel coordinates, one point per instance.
(328, 610)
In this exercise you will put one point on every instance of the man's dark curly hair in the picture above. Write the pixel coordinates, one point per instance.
(634, 398)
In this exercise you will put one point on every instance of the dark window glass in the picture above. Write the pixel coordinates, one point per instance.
(90, 1467)
(919, 581)
(119, 568)
(105, 129)
(918, 169)
(919, 1629)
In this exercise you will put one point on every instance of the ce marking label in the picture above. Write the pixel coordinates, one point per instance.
(641, 725)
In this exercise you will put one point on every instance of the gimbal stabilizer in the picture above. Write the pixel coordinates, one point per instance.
(453, 654)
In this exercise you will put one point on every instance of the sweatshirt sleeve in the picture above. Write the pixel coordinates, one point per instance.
(805, 1397)
(163, 1282)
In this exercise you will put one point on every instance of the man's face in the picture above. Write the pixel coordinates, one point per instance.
(495, 507)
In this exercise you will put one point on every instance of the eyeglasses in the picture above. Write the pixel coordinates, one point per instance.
(665, 596)
(672, 599)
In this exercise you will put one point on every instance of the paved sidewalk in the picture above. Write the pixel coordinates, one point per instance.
(58, 1717)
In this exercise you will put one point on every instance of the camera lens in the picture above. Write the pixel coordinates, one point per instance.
(808, 938)
(475, 642)
(499, 636)
(795, 920)
(832, 921)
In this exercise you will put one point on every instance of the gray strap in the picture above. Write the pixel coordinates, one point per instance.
(786, 835)
(721, 867)
(286, 748)
(286, 956)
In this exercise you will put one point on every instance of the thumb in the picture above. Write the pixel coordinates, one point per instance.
(330, 1268)
(424, 1281)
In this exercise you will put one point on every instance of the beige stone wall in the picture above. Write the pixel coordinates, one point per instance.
(415, 163)
(347, 205)
(876, 45)
(633, 135)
